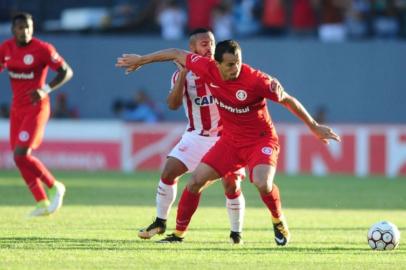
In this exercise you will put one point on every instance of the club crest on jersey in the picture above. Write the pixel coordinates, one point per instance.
(241, 95)
(266, 150)
(23, 136)
(28, 59)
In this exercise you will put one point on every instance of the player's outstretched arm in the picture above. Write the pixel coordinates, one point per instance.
(64, 74)
(322, 132)
(132, 62)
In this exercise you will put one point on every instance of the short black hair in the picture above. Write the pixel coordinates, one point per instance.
(226, 46)
(21, 16)
(199, 31)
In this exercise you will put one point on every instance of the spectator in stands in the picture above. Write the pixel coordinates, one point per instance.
(223, 20)
(172, 20)
(200, 13)
(274, 17)
(246, 17)
(130, 15)
(62, 108)
(357, 19)
(332, 27)
(303, 20)
(139, 109)
(385, 19)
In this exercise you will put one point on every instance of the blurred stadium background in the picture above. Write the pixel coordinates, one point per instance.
(345, 60)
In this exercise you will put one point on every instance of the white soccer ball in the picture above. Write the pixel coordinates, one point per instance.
(383, 235)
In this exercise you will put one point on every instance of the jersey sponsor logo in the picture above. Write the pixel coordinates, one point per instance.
(266, 150)
(7, 57)
(21, 76)
(232, 109)
(23, 136)
(204, 100)
(241, 95)
(28, 59)
(195, 58)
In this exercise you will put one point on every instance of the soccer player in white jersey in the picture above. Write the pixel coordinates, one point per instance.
(202, 132)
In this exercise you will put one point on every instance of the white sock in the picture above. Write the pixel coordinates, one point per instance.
(236, 210)
(165, 197)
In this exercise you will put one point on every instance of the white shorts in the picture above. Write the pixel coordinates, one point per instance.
(192, 147)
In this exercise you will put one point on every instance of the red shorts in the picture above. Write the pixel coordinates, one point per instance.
(225, 157)
(27, 125)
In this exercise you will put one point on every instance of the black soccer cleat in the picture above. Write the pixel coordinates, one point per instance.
(157, 227)
(171, 238)
(281, 230)
(235, 238)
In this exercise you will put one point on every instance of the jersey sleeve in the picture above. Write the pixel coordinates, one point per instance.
(52, 57)
(269, 87)
(175, 76)
(198, 64)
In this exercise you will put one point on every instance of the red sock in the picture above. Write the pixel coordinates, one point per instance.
(187, 206)
(273, 201)
(36, 166)
(30, 178)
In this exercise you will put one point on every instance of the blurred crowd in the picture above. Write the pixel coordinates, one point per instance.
(328, 20)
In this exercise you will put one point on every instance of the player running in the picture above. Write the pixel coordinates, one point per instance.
(249, 137)
(27, 60)
(202, 131)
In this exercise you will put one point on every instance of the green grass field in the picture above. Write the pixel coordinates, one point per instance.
(96, 229)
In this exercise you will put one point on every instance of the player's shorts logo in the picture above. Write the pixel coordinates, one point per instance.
(182, 148)
(241, 95)
(267, 150)
(28, 59)
(24, 136)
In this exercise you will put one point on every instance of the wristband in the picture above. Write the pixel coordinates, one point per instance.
(47, 89)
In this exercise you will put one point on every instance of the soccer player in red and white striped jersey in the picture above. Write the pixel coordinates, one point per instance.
(202, 132)
(27, 60)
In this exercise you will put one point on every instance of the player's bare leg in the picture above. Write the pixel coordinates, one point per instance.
(235, 204)
(165, 197)
(263, 176)
(201, 178)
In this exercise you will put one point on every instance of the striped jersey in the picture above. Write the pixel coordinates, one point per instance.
(200, 108)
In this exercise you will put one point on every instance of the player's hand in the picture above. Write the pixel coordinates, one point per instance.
(131, 62)
(37, 95)
(325, 133)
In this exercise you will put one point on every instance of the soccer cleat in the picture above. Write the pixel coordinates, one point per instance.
(41, 209)
(281, 230)
(157, 227)
(56, 194)
(235, 238)
(171, 238)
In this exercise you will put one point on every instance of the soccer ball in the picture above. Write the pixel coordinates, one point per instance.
(383, 235)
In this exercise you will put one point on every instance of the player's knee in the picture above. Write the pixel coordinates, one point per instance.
(263, 186)
(196, 183)
(169, 177)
